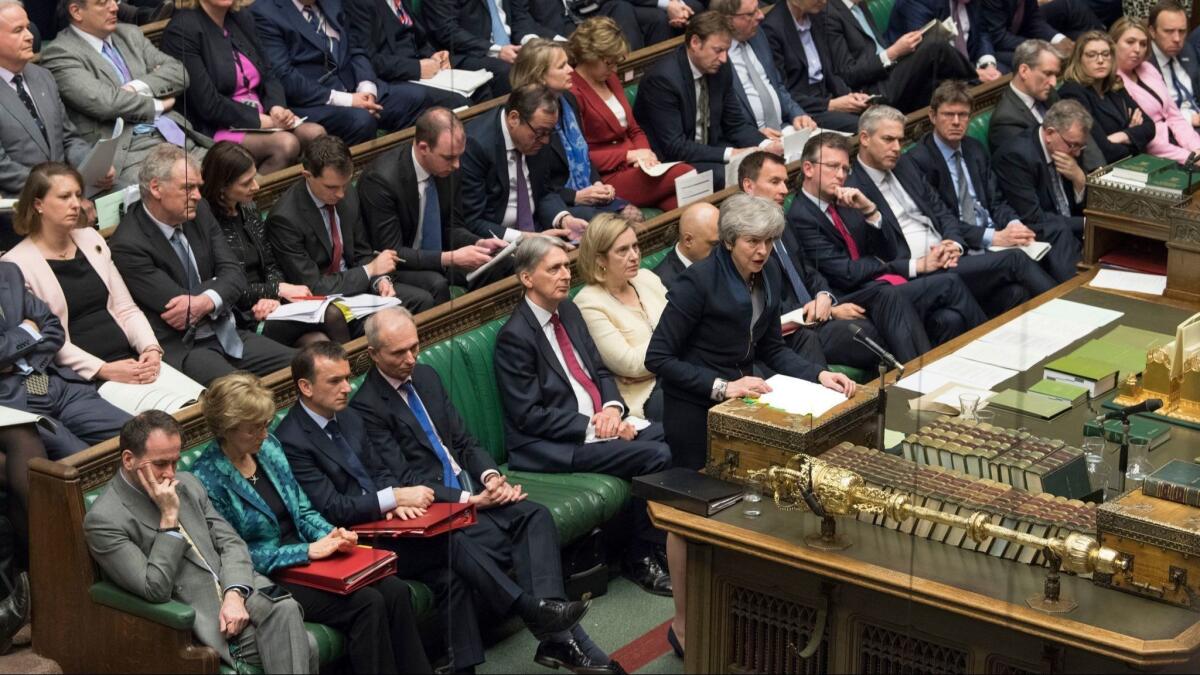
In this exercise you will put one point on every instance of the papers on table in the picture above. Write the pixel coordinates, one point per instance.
(464, 82)
(800, 397)
(170, 392)
(313, 311)
(8, 204)
(944, 400)
(95, 166)
(503, 253)
(656, 170)
(955, 369)
(693, 186)
(1037, 250)
(1136, 282)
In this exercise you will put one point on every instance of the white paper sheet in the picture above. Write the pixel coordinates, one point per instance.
(731, 169)
(464, 82)
(656, 170)
(95, 166)
(1037, 250)
(793, 142)
(800, 397)
(1135, 282)
(955, 369)
(1078, 313)
(693, 186)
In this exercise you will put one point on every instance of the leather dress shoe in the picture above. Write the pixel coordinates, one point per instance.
(570, 655)
(14, 612)
(555, 616)
(650, 575)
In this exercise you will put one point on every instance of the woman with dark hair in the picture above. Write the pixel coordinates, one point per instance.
(231, 95)
(1119, 127)
(230, 183)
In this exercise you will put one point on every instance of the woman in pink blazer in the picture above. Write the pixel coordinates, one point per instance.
(71, 270)
(617, 146)
(1174, 137)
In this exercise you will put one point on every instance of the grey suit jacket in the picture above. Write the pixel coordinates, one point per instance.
(22, 145)
(122, 533)
(91, 86)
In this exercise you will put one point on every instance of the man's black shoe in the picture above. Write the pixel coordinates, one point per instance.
(555, 616)
(14, 612)
(570, 655)
(649, 574)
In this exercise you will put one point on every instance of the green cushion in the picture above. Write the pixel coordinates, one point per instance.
(857, 374)
(787, 201)
(651, 261)
(631, 93)
(977, 128)
(171, 613)
(881, 11)
(650, 212)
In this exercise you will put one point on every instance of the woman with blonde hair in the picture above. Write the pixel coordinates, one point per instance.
(1174, 137)
(1119, 127)
(567, 166)
(231, 94)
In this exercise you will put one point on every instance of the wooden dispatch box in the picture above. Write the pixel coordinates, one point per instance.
(1163, 538)
(745, 436)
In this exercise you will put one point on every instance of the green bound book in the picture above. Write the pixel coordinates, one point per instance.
(1026, 403)
(1140, 167)
(1136, 337)
(1155, 433)
(1174, 181)
(1074, 393)
(1098, 376)
(1177, 481)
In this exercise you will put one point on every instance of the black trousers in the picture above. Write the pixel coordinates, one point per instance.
(1065, 250)
(837, 121)
(647, 453)
(206, 361)
(685, 423)
(379, 623)
(833, 342)
(1002, 280)
(911, 81)
(945, 305)
(895, 318)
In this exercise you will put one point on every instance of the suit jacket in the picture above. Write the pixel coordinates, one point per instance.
(395, 49)
(22, 145)
(213, 76)
(1174, 137)
(790, 58)
(391, 204)
(539, 404)
(928, 160)
(1189, 60)
(392, 428)
(301, 60)
(1025, 179)
(122, 533)
(914, 14)
(788, 108)
(1011, 116)
(669, 268)
(998, 17)
(666, 108)
(622, 334)
(151, 269)
(1110, 114)
(927, 200)
(814, 282)
(695, 341)
(304, 249)
(485, 185)
(125, 312)
(17, 303)
(246, 230)
(465, 26)
(608, 141)
(853, 50)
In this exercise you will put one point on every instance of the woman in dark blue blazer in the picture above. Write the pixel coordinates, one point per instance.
(722, 315)
(1119, 126)
(250, 483)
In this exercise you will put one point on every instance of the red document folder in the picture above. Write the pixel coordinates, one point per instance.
(342, 573)
(439, 518)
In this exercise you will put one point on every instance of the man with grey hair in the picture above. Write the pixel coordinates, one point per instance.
(925, 236)
(182, 274)
(1039, 170)
(560, 401)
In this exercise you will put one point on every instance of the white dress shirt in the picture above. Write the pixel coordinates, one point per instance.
(744, 58)
(811, 55)
(386, 498)
(917, 228)
(137, 85)
(582, 398)
(341, 99)
(687, 262)
(1173, 72)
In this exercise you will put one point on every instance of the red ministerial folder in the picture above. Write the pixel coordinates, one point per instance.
(342, 573)
(439, 518)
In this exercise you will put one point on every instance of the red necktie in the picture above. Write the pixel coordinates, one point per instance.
(335, 235)
(402, 15)
(573, 367)
(852, 247)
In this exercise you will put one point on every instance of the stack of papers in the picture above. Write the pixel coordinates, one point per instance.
(800, 397)
(1134, 282)
(313, 311)
(955, 369)
(464, 82)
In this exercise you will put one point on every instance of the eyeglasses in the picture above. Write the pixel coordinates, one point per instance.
(1071, 147)
(1103, 56)
(844, 169)
(539, 134)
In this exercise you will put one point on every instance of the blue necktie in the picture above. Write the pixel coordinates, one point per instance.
(1181, 94)
(418, 409)
(353, 463)
(861, 18)
(802, 294)
(431, 219)
(499, 31)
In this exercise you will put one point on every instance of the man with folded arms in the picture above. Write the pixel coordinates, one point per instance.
(155, 534)
(350, 479)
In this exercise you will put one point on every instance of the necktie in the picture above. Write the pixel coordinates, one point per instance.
(1182, 95)
(353, 464)
(852, 247)
(223, 327)
(958, 7)
(405, 19)
(335, 238)
(1040, 108)
(499, 30)
(1018, 17)
(771, 118)
(19, 83)
(431, 219)
(576, 371)
(183, 251)
(37, 384)
(1060, 193)
(192, 545)
(802, 295)
(118, 62)
(171, 132)
(702, 106)
(418, 410)
(524, 207)
(857, 12)
(313, 20)
(966, 201)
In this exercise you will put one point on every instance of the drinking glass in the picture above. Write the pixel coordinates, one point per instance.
(752, 498)
(1138, 466)
(968, 404)
(985, 416)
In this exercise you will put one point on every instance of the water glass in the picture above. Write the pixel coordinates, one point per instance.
(968, 404)
(752, 498)
(985, 416)
(1138, 466)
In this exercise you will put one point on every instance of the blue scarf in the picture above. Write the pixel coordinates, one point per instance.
(576, 147)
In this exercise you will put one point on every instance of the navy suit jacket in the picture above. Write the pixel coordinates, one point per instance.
(485, 185)
(391, 425)
(669, 268)
(792, 62)
(539, 403)
(322, 470)
(1025, 178)
(300, 58)
(789, 109)
(1111, 113)
(853, 50)
(927, 200)
(395, 49)
(1189, 58)
(465, 26)
(814, 282)
(997, 19)
(928, 159)
(911, 15)
(666, 109)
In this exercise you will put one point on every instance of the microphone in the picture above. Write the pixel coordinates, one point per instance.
(882, 353)
(1149, 405)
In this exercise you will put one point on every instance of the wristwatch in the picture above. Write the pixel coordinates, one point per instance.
(718, 390)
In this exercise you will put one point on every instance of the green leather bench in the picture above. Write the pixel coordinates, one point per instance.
(977, 128)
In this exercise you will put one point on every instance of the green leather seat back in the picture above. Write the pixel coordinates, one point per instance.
(881, 11)
(631, 93)
(977, 128)
(787, 201)
(651, 261)
(649, 212)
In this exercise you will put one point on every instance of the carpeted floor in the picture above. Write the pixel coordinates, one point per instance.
(22, 659)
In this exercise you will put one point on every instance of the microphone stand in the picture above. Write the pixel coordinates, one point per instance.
(1123, 453)
(885, 360)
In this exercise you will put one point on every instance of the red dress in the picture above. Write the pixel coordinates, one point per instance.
(608, 143)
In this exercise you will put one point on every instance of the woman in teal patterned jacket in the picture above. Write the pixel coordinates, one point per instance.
(249, 481)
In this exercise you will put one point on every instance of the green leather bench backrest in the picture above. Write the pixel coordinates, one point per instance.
(881, 11)
(651, 261)
(977, 128)
(631, 93)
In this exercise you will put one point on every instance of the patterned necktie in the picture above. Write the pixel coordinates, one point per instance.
(449, 479)
(573, 368)
(499, 30)
(524, 206)
(705, 112)
(802, 295)
(353, 464)
(1060, 193)
(405, 19)
(966, 201)
(431, 219)
(770, 108)
(335, 238)
(19, 83)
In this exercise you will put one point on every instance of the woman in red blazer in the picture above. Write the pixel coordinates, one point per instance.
(617, 145)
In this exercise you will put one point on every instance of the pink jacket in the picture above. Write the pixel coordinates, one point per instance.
(42, 282)
(1168, 120)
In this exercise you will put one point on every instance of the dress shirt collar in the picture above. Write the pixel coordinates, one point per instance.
(422, 174)
(508, 141)
(542, 315)
(850, 4)
(1159, 57)
(93, 41)
(687, 262)
(696, 74)
(396, 384)
(167, 230)
(1028, 100)
(803, 25)
(8, 75)
(1042, 142)
(947, 151)
(877, 176)
(821, 203)
(319, 419)
(300, 7)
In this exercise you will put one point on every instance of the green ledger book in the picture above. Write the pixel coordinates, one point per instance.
(1026, 403)
(1141, 167)
(1136, 337)
(1066, 391)
(1155, 433)
(1177, 481)
(1098, 376)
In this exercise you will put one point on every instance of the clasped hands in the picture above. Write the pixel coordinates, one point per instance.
(187, 310)
(608, 424)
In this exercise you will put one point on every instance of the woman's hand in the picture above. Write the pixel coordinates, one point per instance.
(837, 382)
(326, 546)
(641, 155)
(597, 193)
(1119, 138)
(263, 308)
(151, 360)
(748, 386)
(293, 292)
(266, 122)
(128, 371)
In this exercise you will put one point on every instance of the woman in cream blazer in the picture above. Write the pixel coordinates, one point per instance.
(51, 228)
(621, 304)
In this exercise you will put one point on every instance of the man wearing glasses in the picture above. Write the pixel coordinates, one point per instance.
(501, 196)
(1039, 172)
